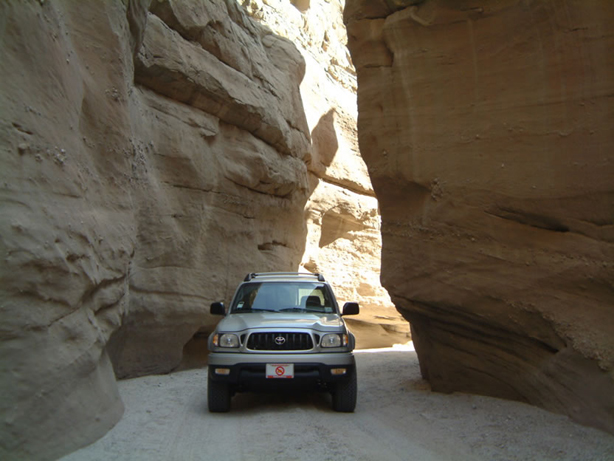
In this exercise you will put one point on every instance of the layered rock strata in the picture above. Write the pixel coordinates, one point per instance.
(486, 128)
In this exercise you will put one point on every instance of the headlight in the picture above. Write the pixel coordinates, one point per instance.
(334, 340)
(226, 340)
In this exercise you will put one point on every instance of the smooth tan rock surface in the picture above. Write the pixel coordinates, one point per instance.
(486, 127)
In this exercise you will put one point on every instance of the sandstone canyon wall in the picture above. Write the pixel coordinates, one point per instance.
(153, 153)
(487, 130)
(342, 215)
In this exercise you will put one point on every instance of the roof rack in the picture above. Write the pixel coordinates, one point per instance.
(253, 275)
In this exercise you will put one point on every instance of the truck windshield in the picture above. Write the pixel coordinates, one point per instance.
(284, 297)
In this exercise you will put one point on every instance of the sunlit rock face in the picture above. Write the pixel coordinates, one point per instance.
(342, 215)
(487, 131)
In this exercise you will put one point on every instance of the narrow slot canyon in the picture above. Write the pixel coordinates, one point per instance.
(445, 164)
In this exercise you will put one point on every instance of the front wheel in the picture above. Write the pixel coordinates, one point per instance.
(218, 396)
(344, 395)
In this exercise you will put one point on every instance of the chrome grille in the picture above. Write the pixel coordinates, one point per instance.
(280, 342)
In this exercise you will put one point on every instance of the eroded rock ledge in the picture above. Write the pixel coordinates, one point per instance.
(486, 128)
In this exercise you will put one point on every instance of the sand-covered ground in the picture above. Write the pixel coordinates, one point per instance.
(397, 418)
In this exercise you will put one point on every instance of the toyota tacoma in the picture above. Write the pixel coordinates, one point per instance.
(283, 330)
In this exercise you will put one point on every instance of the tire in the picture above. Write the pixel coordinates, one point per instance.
(218, 396)
(344, 395)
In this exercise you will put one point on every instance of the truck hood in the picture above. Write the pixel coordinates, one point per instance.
(282, 320)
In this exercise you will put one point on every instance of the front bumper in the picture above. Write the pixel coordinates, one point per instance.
(226, 359)
(247, 371)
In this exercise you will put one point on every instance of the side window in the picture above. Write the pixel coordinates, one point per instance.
(318, 293)
(327, 299)
(316, 297)
(303, 294)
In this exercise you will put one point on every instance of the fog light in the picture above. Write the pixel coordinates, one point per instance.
(222, 371)
(338, 371)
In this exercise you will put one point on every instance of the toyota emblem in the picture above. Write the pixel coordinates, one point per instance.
(280, 340)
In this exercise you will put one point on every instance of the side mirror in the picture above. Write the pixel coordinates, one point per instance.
(350, 309)
(218, 309)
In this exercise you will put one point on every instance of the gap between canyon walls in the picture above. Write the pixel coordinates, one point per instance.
(342, 213)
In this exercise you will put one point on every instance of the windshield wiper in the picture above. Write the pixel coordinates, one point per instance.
(303, 309)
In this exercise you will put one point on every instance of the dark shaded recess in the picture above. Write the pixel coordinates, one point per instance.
(324, 138)
(530, 219)
(301, 5)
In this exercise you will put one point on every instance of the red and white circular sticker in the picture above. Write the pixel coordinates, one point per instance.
(280, 370)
